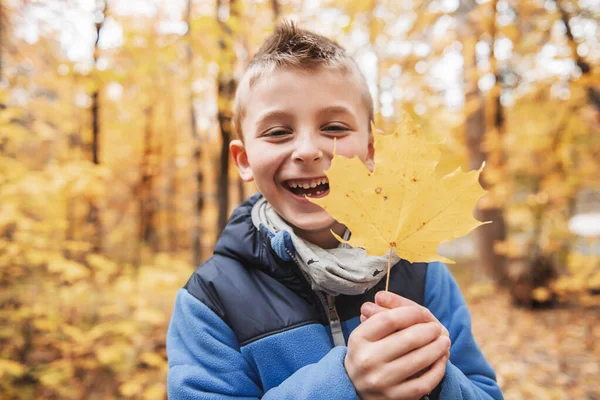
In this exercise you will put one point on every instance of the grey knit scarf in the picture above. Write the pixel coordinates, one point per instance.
(342, 270)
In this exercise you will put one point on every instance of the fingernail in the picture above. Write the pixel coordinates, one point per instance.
(368, 308)
(441, 330)
(382, 297)
(446, 339)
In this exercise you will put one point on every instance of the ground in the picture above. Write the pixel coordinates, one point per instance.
(538, 354)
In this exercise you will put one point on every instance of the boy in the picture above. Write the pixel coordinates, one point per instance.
(282, 310)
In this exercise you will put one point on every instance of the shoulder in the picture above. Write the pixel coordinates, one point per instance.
(214, 280)
(250, 301)
(444, 297)
(440, 282)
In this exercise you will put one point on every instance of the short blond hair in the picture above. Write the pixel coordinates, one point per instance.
(292, 47)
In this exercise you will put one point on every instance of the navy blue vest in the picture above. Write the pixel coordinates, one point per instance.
(258, 294)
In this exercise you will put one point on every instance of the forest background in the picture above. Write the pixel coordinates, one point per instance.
(115, 177)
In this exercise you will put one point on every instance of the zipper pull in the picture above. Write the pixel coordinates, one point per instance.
(335, 323)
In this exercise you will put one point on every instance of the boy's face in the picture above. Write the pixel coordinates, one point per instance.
(291, 121)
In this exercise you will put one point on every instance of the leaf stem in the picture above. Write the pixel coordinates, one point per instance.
(387, 279)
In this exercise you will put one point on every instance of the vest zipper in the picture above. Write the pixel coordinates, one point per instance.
(328, 303)
(334, 322)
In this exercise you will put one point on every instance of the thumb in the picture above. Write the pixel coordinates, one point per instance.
(392, 300)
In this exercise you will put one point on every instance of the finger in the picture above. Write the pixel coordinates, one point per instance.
(419, 359)
(418, 374)
(392, 300)
(389, 321)
(369, 309)
(405, 369)
(403, 342)
(424, 384)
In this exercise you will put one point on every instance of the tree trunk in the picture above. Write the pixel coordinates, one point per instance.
(94, 212)
(171, 128)
(584, 66)
(2, 46)
(497, 116)
(197, 152)
(95, 109)
(223, 179)
(147, 203)
(564, 16)
(74, 144)
(276, 10)
(538, 269)
(226, 93)
(592, 92)
(491, 264)
(95, 128)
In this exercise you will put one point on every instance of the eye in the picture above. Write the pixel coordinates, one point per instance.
(335, 128)
(276, 133)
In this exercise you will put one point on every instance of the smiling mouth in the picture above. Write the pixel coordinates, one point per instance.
(314, 187)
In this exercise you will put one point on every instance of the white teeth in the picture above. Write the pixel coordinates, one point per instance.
(307, 185)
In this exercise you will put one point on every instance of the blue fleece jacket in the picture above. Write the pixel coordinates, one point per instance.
(247, 327)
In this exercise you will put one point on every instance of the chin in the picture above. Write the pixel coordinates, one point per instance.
(313, 222)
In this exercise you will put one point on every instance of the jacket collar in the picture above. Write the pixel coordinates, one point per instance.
(243, 242)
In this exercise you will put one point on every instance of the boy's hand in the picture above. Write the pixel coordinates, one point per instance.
(387, 300)
(388, 349)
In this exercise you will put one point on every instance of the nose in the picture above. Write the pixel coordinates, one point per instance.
(307, 149)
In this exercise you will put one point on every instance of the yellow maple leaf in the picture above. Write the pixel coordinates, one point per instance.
(401, 205)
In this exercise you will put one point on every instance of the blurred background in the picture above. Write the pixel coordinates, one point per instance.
(115, 177)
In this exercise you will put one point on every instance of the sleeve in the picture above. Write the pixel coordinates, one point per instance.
(468, 374)
(205, 362)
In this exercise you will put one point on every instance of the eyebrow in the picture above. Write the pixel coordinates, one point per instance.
(282, 114)
(339, 110)
(335, 110)
(274, 114)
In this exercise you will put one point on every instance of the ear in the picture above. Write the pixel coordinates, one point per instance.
(238, 151)
(370, 161)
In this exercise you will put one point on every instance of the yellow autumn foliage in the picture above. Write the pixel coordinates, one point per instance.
(92, 252)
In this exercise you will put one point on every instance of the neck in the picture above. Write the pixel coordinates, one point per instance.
(323, 238)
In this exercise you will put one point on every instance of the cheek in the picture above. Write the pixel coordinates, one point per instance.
(355, 146)
(264, 163)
